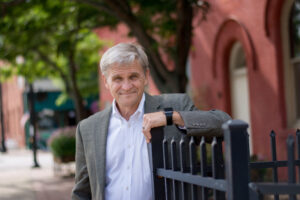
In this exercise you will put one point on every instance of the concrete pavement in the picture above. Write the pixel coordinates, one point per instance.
(18, 180)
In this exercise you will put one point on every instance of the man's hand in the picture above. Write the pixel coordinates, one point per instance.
(152, 120)
(157, 119)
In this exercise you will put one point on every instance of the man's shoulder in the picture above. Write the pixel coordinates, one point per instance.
(174, 100)
(173, 97)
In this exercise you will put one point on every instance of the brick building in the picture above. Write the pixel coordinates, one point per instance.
(246, 63)
(12, 99)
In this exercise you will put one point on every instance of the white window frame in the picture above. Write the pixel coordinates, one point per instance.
(288, 64)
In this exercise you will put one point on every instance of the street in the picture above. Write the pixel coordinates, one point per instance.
(18, 180)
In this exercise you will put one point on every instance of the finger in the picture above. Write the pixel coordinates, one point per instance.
(147, 134)
(147, 140)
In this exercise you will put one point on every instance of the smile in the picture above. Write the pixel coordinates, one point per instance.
(128, 93)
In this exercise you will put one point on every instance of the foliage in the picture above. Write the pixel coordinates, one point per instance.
(62, 142)
(163, 28)
(261, 174)
(55, 39)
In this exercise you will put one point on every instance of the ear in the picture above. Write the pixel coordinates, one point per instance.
(105, 81)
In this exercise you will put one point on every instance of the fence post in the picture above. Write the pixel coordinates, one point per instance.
(155, 151)
(236, 159)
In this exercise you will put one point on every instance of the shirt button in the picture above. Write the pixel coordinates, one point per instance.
(128, 167)
(128, 125)
(129, 146)
(126, 188)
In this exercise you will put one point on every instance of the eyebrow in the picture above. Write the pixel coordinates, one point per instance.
(134, 74)
(116, 76)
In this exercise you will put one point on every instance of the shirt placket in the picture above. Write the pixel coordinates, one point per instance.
(129, 157)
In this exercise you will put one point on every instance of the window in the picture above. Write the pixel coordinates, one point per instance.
(291, 50)
(294, 32)
(239, 87)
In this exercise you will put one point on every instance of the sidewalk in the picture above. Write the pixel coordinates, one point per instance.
(18, 180)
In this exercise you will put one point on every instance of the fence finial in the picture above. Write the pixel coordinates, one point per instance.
(272, 134)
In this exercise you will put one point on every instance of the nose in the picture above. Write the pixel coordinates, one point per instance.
(127, 85)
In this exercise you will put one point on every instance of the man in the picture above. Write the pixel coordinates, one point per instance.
(112, 160)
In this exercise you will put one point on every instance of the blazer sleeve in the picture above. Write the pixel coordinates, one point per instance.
(81, 189)
(202, 123)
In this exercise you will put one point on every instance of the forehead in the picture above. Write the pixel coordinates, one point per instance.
(123, 69)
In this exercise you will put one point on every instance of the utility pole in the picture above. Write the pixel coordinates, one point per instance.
(3, 146)
(33, 125)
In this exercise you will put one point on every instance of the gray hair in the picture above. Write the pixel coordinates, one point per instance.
(124, 53)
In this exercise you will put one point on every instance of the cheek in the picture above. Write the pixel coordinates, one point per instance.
(140, 83)
(115, 87)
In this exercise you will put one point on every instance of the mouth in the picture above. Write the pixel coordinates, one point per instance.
(127, 93)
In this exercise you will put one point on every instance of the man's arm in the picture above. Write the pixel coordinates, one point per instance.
(195, 122)
(204, 123)
(81, 190)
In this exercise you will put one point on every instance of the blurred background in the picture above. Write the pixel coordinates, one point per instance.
(240, 56)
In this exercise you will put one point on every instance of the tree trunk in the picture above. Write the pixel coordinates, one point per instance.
(183, 41)
(75, 93)
(70, 83)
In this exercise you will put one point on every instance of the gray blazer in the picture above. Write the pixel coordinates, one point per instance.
(92, 132)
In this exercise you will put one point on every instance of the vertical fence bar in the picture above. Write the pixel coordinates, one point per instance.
(291, 161)
(214, 162)
(174, 168)
(192, 154)
(203, 166)
(274, 159)
(217, 168)
(298, 151)
(166, 166)
(183, 166)
(237, 170)
(156, 161)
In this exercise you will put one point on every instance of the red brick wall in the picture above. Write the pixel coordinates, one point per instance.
(256, 24)
(12, 113)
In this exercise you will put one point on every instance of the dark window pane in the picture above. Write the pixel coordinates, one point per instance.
(241, 60)
(297, 88)
(294, 27)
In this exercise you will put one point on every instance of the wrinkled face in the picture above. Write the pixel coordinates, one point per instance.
(126, 84)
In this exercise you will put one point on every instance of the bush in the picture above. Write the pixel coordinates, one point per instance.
(261, 174)
(62, 143)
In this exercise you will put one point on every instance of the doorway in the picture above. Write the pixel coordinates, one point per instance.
(240, 106)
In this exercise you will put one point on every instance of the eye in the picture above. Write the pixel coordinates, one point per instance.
(133, 77)
(117, 79)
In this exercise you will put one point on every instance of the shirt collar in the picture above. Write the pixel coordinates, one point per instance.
(139, 110)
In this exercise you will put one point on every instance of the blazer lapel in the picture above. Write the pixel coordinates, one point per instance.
(100, 133)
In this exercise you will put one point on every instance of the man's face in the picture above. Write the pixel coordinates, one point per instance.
(126, 84)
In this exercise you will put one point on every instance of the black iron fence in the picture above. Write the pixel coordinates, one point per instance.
(194, 168)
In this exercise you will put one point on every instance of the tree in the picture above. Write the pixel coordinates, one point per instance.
(55, 39)
(158, 25)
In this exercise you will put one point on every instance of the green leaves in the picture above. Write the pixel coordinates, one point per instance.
(45, 33)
